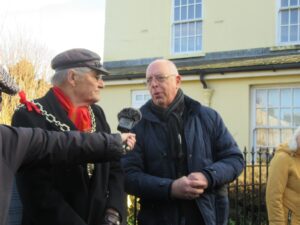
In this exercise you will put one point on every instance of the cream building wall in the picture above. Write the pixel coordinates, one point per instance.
(231, 97)
(227, 25)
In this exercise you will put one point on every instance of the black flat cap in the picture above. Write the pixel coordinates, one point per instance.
(78, 57)
(7, 83)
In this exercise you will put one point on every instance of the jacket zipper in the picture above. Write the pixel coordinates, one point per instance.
(289, 217)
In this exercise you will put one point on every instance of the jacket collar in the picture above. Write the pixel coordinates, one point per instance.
(51, 104)
(285, 148)
(192, 106)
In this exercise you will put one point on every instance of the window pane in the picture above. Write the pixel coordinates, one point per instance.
(191, 12)
(297, 117)
(294, 16)
(177, 30)
(274, 138)
(191, 46)
(198, 43)
(284, 18)
(293, 2)
(284, 34)
(198, 11)
(286, 134)
(284, 3)
(273, 117)
(198, 1)
(286, 97)
(177, 45)
(192, 30)
(273, 98)
(198, 28)
(184, 29)
(261, 117)
(177, 13)
(261, 98)
(177, 2)
(191, 1)
(286, 117)
(184, 44)
(138, 97)
(296, 101)
(183, 2)
(294, 33)
(261, 137)
(183, 12)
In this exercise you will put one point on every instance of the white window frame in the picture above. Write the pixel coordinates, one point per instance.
(145, 96)
(254, 127)
(188, 22)
(280, 9)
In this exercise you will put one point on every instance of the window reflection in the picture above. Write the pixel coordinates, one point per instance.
(277, 115)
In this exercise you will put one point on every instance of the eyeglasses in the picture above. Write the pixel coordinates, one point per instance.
(99, 76)
(158, 78)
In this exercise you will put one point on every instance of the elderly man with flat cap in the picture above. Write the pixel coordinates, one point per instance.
(23, 148)
(87, 194)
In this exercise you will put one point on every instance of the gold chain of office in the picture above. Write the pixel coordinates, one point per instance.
(64, 127)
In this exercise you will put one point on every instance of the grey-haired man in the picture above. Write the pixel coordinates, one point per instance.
(87, 194)
(22, 148)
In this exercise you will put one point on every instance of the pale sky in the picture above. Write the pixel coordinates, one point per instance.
(57, 24)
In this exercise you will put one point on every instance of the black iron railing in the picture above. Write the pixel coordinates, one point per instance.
(247, 193)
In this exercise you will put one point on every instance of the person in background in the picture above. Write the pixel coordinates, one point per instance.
(23, 148)
(86, 194)
(283, 185)
(183, 157)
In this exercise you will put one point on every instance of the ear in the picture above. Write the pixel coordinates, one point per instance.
(178, 80)
(71, 77)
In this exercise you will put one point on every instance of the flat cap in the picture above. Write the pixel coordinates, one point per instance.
(78, 57)
(7, 83)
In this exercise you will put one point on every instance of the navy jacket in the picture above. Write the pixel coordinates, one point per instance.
(210, 149)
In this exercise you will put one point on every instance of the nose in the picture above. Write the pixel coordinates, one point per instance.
(101, 83)
(153, 83)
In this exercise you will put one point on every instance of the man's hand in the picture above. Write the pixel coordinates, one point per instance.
(112, 217)
(185, 188)
(200, 180)
(129, 140)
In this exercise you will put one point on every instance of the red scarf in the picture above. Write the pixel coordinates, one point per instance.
(80, 116)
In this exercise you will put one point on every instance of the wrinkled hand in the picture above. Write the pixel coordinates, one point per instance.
(201, 181)
(129, 140)
(186, 188)
(112, 217)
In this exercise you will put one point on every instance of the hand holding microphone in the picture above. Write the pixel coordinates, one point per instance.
(128, 118)
(129, 140)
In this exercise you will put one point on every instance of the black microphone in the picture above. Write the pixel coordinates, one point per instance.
(128, 118)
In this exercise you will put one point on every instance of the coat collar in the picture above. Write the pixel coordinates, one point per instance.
(192, 106)
(51, 104)
(285, 148)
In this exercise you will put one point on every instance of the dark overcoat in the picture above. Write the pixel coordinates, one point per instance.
(63, 195)
(150, 169)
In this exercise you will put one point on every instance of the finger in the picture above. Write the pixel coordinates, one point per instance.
(195, 191)
(198, 184)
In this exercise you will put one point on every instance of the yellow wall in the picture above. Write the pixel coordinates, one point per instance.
(231, 98)
(137, 29)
